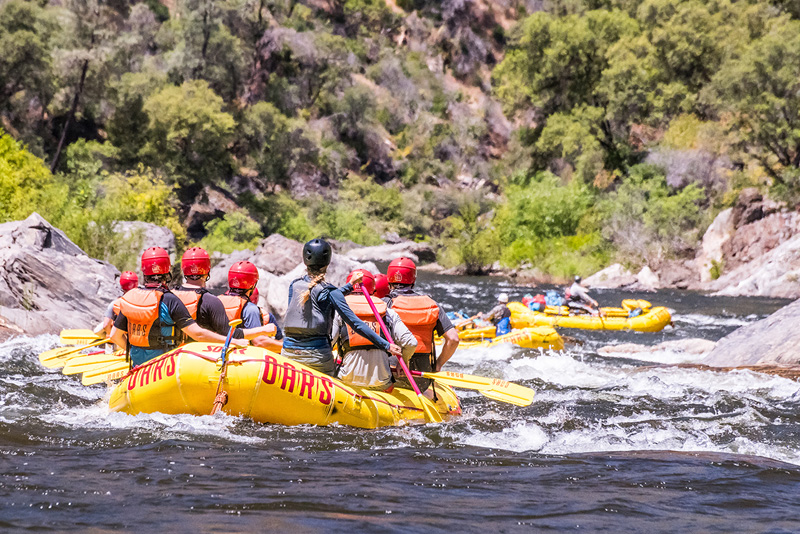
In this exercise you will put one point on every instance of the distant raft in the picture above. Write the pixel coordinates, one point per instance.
(635, 314)
(534, 337)
(267, 388)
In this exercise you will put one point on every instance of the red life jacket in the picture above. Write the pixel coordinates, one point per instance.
(351, 340)
(140, 307)
(420, 314)
(191, 299)
(234, 304)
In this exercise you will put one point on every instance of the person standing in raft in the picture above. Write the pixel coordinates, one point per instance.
(204, 307)
(500, 316)
(242, 280)
(151, 318)
(363, 363)
(309, 317)
(127, 281)
(423, 317)
(578, 298)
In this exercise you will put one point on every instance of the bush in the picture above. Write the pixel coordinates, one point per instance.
(235, 231)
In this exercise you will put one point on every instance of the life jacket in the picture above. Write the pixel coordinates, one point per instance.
(350, 339)
(304, 320)
(141, 308)
(191, 299)
(234, 304)
(115, 306)
(420, 314)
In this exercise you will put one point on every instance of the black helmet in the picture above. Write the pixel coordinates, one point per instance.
(317, 253)
(577, 279)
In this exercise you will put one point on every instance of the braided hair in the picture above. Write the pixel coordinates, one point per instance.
(315, 279)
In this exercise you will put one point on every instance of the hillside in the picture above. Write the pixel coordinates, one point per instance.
(560, 135)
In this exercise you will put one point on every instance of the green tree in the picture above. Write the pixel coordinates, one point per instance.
(188, 135)
(762, 90)
(25, 182)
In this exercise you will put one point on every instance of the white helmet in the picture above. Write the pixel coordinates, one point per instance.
(503, 298)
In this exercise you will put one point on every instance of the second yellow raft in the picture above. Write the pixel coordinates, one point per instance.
(651, 319)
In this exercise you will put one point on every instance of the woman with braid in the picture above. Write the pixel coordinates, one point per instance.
(309, 318)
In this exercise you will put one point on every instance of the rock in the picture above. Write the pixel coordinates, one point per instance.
(212, 203)
(715, 238)
(151, 235)
(431, 268)
(774, 340)
(751, 206)
(275, 254)
(612, 277)
(648, 280)
(48, 283)
(681, 274)
(752, 241)
(419, 252)
(775, 274)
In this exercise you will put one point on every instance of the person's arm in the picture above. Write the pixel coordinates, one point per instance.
(251, 321)
(198, 333)
(183, 320)
(278, 331)
(451, 340)
(337, 325)
(351, 319)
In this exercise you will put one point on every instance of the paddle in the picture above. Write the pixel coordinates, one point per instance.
(89, 362)
(465, 321)
(105, 373)
(431, 414)
(221, 398)
(78, 336)
(494, 388)
(58, 357)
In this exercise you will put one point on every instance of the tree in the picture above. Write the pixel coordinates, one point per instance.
(25, 181)
(188, 135)
(762, 90)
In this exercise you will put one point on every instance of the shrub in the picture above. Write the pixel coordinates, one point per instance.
(235, 231)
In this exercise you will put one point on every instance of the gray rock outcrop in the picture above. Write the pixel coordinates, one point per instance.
(419, 252)
(148, 235)
(48, 283)
(612, 277)
(774, 340)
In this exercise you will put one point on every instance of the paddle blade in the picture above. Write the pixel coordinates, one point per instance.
(89, 362)
(107, 373)
(78, 336)
(432, 415)
(58, 357)
(504, 396)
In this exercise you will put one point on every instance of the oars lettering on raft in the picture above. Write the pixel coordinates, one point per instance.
(432, 415)
(221, 398)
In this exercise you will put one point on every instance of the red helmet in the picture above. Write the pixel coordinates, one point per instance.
(368, 281)
(254, 296)
(243, 275)
(402, 271)
(195, 262)
(381, 286)
(128, 280)
(155, 260)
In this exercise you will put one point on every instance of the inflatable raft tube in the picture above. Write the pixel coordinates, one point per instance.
(534, 337)
(650, 319)
(265, 387)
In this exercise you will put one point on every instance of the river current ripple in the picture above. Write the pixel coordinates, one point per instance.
(610, 444)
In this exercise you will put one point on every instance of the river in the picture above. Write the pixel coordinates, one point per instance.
(610, 444)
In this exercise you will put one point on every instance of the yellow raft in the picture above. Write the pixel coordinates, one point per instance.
(265, 387)
(649, 320)
(534, 337)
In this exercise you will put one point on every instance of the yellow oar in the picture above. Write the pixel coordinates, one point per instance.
(494, 388)
(89, 362)
(112, 371)
(78, 336)
(58, 357)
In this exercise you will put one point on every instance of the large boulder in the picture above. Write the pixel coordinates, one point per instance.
(47, 282)
(148, 235)
(419, 252)
(716, 237)
(774, 340)
(612, 277)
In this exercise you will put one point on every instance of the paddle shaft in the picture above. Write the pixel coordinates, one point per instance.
(389, 339)
(219, 401)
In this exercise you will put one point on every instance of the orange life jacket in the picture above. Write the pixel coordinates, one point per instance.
(234, 304)
(420, 314)
(191, 299)
(352, 340)
(141, 308)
